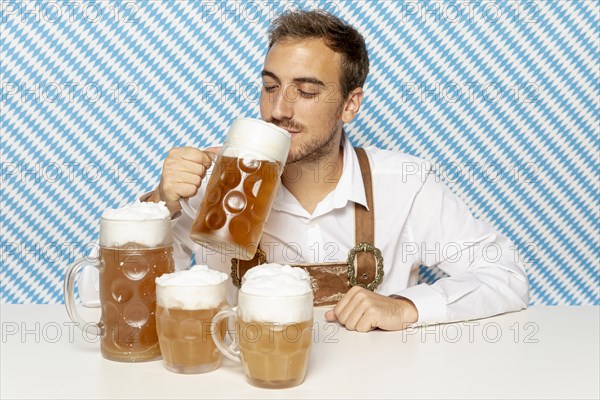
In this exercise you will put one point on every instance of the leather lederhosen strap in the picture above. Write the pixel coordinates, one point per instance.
(364, 266)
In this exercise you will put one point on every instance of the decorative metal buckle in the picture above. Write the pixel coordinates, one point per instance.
(235, 267)
(353, 270)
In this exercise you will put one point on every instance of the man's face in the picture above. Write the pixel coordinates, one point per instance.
(301, 93)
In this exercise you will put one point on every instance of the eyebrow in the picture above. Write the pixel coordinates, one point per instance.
(302, 79)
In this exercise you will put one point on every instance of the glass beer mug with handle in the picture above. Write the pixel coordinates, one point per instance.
(135, 249)
(186, 302)
(241, 188)
(274, 321)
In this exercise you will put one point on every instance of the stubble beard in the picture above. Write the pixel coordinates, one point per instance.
(318, 148)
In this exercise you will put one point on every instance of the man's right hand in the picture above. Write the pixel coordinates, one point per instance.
(182, 173)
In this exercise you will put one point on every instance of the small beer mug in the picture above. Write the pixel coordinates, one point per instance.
(241, 188)
(135, 249)
(274, 319)
(187, 301)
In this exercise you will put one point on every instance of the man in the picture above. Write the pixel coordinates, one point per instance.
(313, 76)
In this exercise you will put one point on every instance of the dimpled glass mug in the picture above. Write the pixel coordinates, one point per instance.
(241, 188)
(186, 302)
(135, 249)
(274, 326)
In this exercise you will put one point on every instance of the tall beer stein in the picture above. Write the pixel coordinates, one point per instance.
(241, 188)
(135, 249)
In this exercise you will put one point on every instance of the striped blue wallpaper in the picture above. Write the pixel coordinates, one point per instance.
(503, 96)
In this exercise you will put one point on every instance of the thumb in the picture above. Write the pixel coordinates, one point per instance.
(213, 149)
(330, 316)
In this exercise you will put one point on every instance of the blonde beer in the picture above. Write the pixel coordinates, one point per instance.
(236, 205)
(128, 300)
(187, 301)
(241, 188)
(275, 355)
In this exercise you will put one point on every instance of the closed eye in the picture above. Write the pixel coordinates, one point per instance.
(269, 88)
(306, 95)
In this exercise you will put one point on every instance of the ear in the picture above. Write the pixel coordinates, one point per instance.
(352, 105)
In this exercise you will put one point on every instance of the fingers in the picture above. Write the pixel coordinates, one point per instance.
(183, 171)
(191, 154)
(353, 310)
(346, 300)
(330, 316)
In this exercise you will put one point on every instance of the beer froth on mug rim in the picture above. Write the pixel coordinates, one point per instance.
(141, 223)
(197, 288)
(290, 285)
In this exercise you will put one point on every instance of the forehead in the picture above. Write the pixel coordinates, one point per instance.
(290, 59)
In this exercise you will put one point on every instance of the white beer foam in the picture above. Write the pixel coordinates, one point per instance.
(138, 211)
(276, 293)
(147, 224)
(276, 280)
(257, 139)
(198, 288)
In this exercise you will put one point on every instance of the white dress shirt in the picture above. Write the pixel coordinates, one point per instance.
(418, 221)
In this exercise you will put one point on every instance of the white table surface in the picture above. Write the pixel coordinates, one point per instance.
(543, 352)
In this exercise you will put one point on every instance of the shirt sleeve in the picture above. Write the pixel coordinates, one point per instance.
(485, 275)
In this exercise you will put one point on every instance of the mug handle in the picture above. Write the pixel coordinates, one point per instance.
(96, 329)
(184, 202)
(233, 350)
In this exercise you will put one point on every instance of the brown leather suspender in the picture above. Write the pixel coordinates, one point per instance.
(330, 281)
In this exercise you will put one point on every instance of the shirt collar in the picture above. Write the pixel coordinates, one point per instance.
(350, 187)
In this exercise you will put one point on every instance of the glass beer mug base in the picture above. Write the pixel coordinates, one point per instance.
(274, 355)
(193, 370)
(271, 384)
(149, 355)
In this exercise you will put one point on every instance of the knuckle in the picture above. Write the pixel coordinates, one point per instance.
(174, 151)
(361, 295)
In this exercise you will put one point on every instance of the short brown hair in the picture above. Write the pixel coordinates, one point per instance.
(338, 36)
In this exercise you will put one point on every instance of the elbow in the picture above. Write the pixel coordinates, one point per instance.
(521, 288)
(519, 283)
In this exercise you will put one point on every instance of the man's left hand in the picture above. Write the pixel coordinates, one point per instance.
(362, 310)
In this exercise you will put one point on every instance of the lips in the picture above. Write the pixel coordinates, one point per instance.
(292, 130)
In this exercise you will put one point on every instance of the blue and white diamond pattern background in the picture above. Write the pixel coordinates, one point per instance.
(503, 96)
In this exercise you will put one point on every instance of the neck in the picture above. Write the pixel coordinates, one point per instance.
(311, 181)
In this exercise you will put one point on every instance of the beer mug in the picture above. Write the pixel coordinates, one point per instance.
(135, 249)
(241, 188)
(186, 303)
(274, 319)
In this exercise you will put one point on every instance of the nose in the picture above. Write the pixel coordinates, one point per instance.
(283, 103)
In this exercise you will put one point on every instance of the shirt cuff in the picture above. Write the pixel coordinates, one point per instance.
(430, 304)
